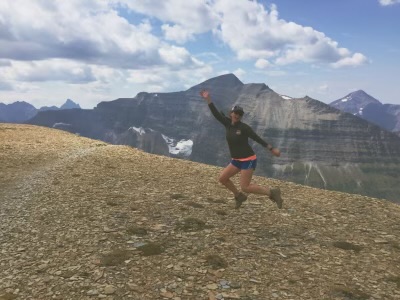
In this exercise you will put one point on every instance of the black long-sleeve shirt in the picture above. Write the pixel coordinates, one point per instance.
(237, 135)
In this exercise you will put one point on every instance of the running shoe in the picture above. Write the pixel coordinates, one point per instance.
(276, 197)
(239, 199)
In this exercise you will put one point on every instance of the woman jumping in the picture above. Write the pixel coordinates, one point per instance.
(244, 159)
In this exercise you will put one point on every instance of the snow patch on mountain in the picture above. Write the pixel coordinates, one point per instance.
(175, 147)
(182, 147)
(139, 130)
(286, 97)
(60, 124)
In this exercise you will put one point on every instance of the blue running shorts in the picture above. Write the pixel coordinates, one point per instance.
(244, 165)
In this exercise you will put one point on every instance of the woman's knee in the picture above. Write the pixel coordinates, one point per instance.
(223, 179)
(245, 188)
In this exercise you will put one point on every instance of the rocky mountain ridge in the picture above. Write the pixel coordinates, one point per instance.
(360, 104)
(21, 111)
(320, 145)
(82, 219)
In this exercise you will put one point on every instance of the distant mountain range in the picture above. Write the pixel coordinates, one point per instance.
(361, 104)
(21, 111)
(321, 146)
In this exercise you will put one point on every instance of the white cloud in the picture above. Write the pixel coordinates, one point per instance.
(210, 57)
(388, 2)
(53, 70)
(177, 56)
(87, 44)
(89, 31)
(187, 17)
(240, 73)
(162, 79)
(266, 36)
(262, 63)
(176, 33)
(352, 61)
(323, 88)
(94, 32)
(5, 63)
(49, 70)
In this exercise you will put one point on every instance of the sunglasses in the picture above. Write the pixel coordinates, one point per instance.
(239, 113)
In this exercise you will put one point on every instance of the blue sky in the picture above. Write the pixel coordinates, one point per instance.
(92, 51)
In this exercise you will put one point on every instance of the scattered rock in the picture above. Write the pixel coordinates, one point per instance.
(167, 294)
(216, 262)
(151, 249)
(347, 246)
(134, 230)
(191, 224)
(212, 286)
(114, 257)
(109, 290)
(92, 293)
(381, 241)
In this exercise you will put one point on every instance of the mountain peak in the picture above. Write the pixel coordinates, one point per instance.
(361, 92)
(21, 103)
(354, 102)
(16, 112)
(359, 96)
(226, 80)
(69, 104)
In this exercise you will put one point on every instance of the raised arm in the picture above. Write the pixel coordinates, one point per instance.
(206, 96)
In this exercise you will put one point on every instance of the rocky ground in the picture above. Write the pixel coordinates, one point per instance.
(81, 219)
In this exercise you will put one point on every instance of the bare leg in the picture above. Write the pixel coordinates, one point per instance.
(247, 187)
(225, 176)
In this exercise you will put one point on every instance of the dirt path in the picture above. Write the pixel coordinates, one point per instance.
(18, 196)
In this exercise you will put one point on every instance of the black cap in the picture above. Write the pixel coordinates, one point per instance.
(238, 109)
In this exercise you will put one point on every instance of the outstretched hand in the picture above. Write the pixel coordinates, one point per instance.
(276, 152)
(205, 95)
